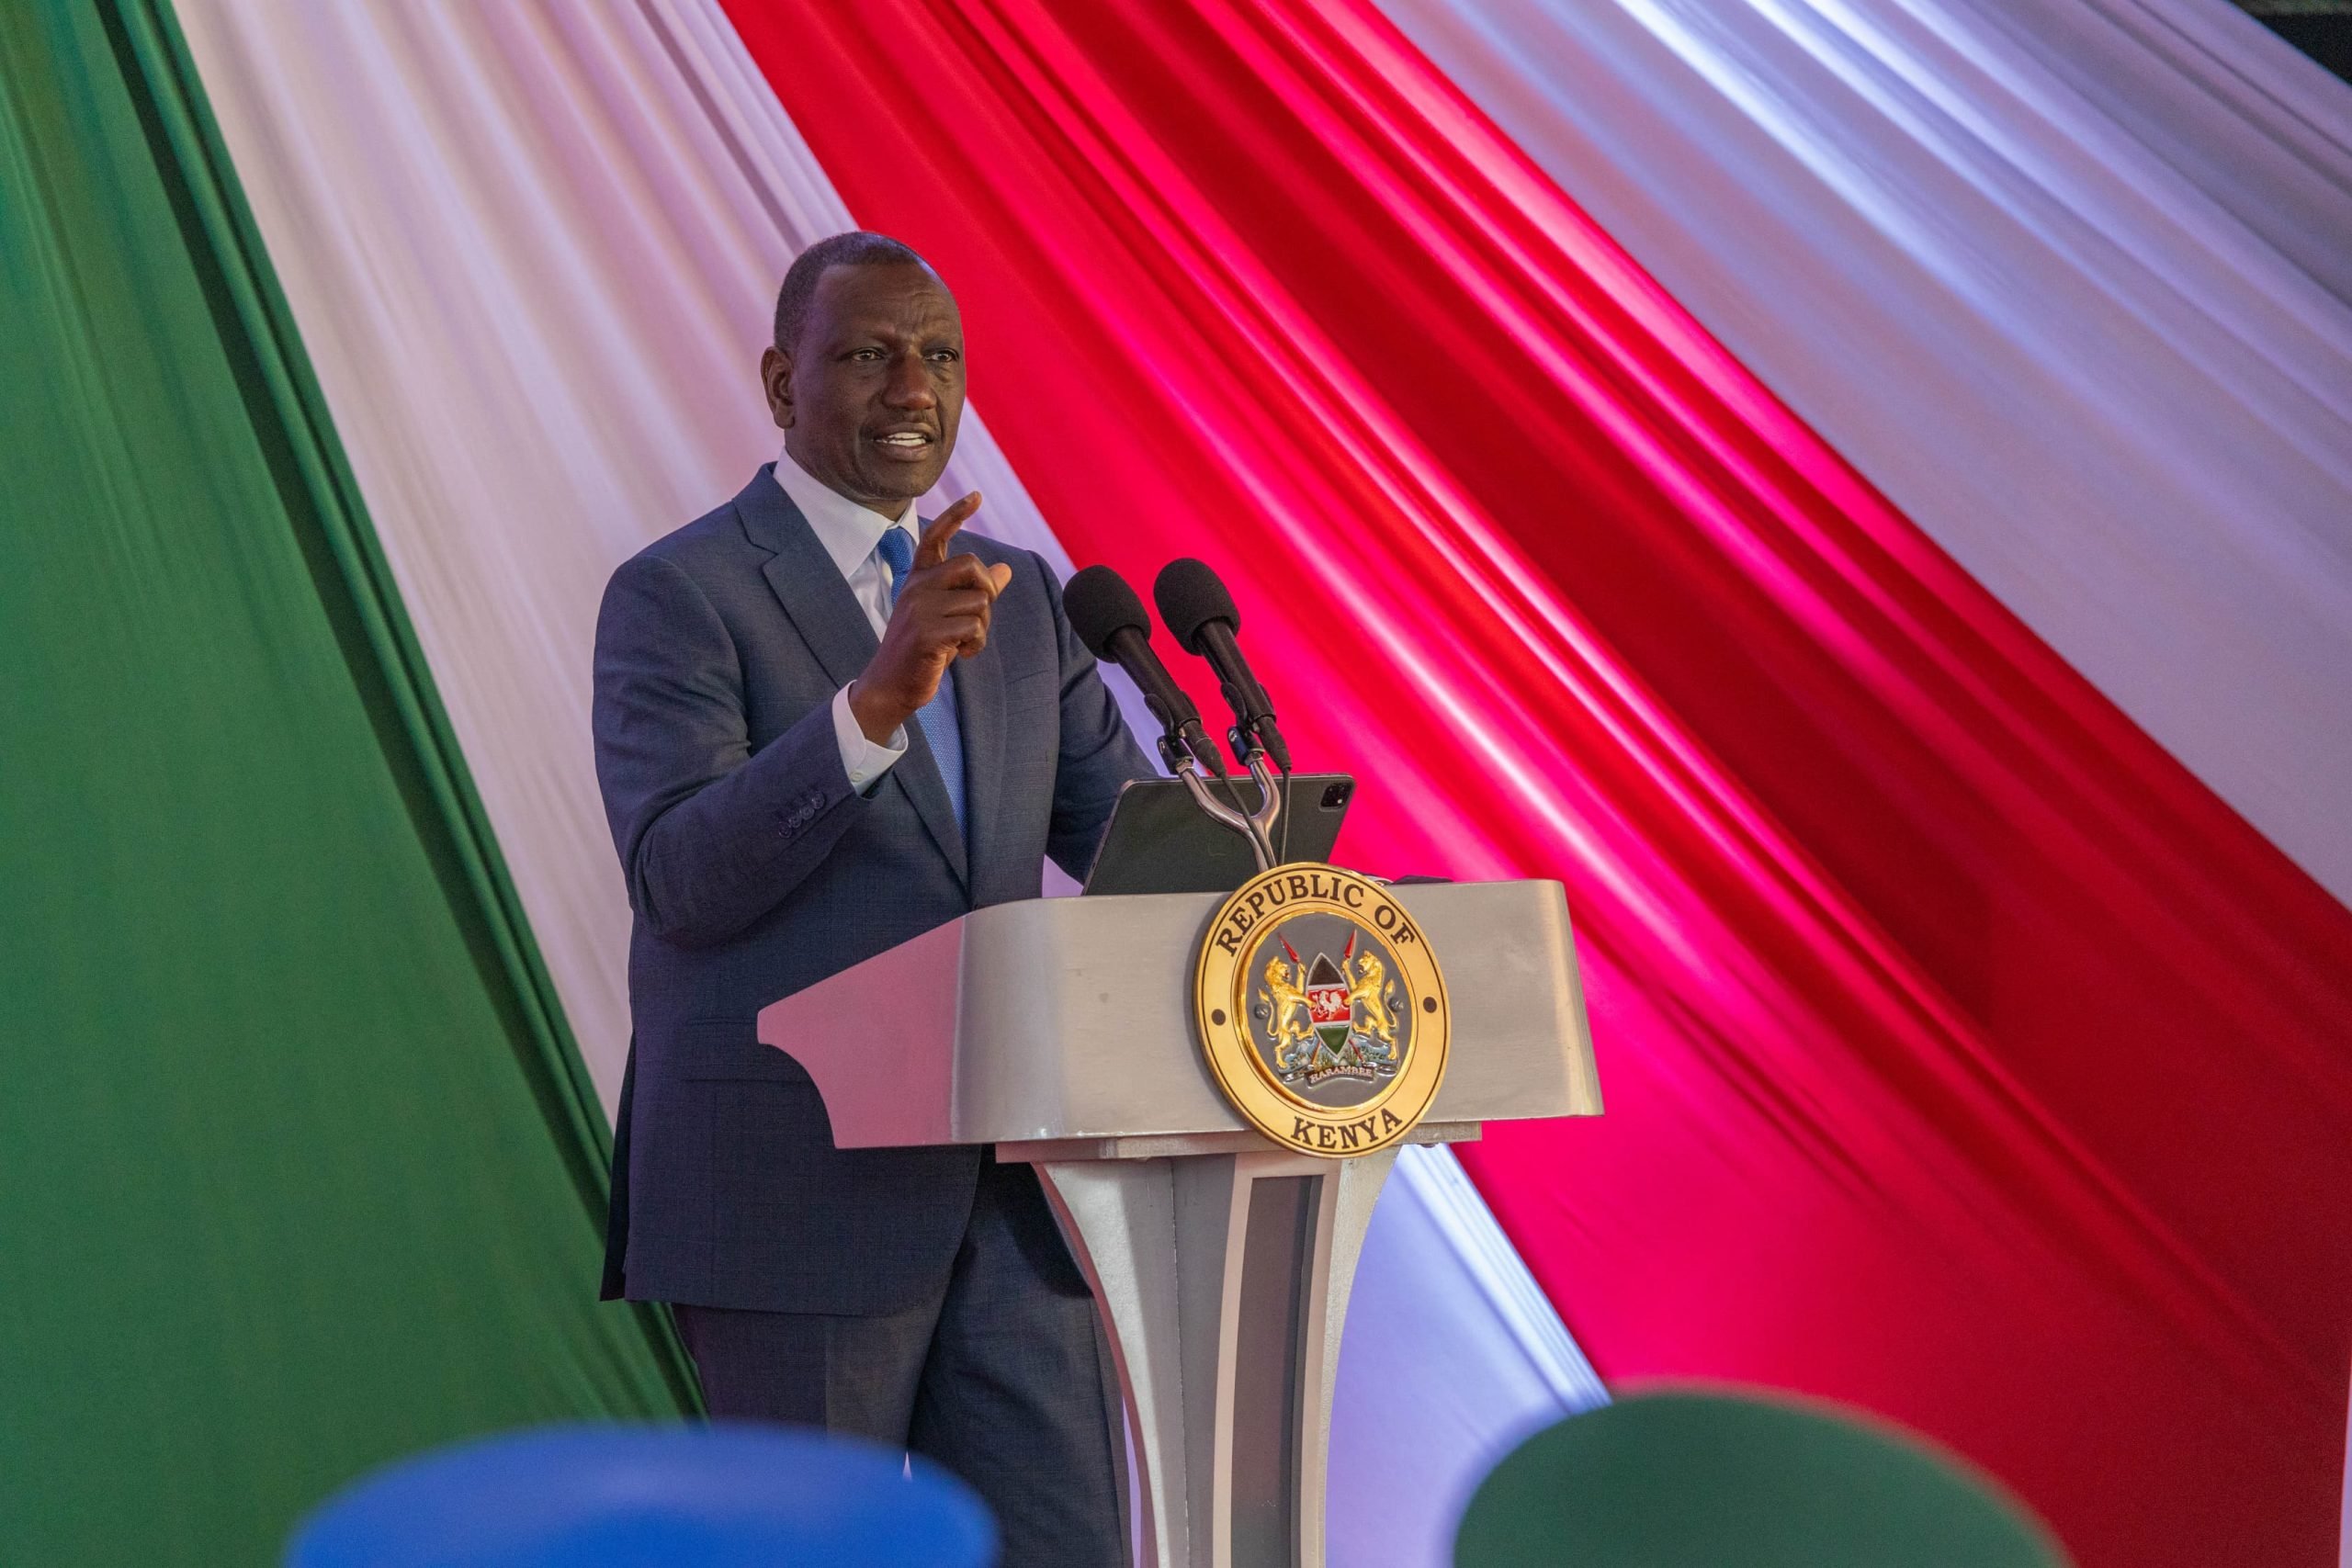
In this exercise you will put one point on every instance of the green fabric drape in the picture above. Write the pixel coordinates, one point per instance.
(298, 1168)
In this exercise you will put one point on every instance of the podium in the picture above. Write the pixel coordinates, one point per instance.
(1060, 1031)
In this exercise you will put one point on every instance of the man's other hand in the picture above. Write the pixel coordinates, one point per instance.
(942, 616)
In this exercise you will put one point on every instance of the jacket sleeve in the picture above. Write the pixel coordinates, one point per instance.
(711, 835)
(1098, 753)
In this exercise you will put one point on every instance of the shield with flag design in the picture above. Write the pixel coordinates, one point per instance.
(1328, 1007)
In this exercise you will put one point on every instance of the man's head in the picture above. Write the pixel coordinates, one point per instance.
(866, 377)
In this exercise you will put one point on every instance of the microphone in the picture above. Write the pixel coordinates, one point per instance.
(1201, 617)
(1110, 620)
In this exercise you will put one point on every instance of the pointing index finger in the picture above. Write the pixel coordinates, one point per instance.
(932, 547)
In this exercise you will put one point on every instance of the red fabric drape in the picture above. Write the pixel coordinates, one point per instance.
(1965, 1058)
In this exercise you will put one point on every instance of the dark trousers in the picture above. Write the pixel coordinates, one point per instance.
(1001, 1375)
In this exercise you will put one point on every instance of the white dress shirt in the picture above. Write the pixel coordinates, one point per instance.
(849, 532)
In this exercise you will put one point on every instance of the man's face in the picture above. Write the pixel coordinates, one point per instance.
(869, 397)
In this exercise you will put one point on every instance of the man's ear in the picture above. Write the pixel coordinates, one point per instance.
(776, 377)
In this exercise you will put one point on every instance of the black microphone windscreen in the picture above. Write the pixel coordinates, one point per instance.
(1190, 596)
(1101, 605)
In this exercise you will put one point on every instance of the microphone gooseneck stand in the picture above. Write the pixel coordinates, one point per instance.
(1257, 825)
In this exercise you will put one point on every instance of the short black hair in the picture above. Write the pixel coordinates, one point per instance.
(856, 248)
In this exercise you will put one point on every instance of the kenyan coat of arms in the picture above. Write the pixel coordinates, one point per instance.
(1321, 1010)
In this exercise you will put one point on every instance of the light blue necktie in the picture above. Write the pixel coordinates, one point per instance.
(937, 717)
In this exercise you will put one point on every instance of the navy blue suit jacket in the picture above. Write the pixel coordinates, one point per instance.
(755, 870)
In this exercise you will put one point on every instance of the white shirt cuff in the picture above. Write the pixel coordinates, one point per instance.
(862, 759)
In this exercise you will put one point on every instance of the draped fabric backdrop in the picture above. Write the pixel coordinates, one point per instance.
(1871, 591)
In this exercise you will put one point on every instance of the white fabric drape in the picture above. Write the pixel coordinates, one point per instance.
(532, 249)
(2070, 280)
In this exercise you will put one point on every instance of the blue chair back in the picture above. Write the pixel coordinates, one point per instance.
(723, 1495)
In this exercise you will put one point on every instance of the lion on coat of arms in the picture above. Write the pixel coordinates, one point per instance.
(1369, 992)
(1288, 1012)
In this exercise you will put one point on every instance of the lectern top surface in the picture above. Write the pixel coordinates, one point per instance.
(1071, 1018)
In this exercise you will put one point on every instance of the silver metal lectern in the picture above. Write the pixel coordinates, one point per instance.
(1060, 1031)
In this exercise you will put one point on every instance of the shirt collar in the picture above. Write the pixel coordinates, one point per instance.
(849, 532)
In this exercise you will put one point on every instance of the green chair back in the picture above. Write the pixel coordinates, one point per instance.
(1721, 1480)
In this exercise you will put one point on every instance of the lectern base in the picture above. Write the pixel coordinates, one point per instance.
(1223, 1278)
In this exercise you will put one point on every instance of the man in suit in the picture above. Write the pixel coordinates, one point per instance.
(824, 726)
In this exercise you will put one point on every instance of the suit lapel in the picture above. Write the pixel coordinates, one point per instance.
(827, 618)
(815, 598)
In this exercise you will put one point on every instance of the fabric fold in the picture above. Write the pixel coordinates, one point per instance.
(2066, 279)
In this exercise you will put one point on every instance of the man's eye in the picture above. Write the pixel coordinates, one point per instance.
(946, 355)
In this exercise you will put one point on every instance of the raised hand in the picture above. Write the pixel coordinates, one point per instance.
(942, 616)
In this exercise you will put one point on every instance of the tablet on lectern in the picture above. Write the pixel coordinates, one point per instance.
(1159, 842)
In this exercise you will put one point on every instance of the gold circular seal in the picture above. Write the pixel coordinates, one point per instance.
(1321, 1010)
